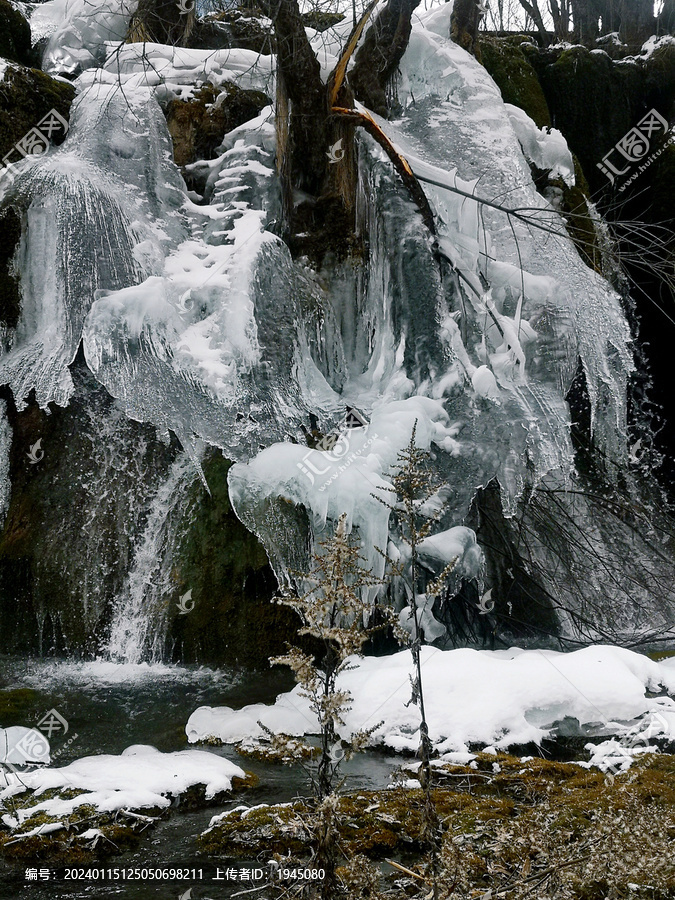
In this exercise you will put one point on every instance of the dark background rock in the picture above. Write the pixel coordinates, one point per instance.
(198, 126)
(15, 43)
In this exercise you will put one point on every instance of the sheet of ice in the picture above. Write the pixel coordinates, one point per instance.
(496, 698)
(5, 446)
(100, 209)
(140, 777)
(211, 341)
(499, 340)
(456, 122)
(78, 31)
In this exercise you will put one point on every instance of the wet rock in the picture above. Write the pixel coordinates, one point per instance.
(232, 584)
(26, 96)
(15, 43)
(197, 126)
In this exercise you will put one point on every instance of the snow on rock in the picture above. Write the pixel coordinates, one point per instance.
(546, 148)
(493, 698)
(141, 777)
(175, 71)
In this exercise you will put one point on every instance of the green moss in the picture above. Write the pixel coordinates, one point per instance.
(17, 705)
(26, 96)
(226, 567)
(515, 76)
(505, 823)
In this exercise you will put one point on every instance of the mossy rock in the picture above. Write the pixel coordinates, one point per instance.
(17, 705)
(593, 101)
(15, 42)
(506, 825)
(247, 29)
(232, 583)
(515, 76)
(120, 832)
(198, 126)
(26, 96)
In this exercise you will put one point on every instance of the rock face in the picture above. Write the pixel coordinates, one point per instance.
(197, 126)
(76, 520)
(232, 584)
(595, 100)
(15, 43)
(10, 301)
(515, 76)
(26, 95)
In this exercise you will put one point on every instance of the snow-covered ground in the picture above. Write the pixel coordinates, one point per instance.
(491, 698)
(140, 778)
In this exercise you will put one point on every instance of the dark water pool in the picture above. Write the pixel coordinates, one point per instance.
(110, 707)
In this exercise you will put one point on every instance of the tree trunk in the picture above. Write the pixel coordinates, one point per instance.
(303, 101)
(637, 21)
(380, 53)
(162, 22)
(586, 16)
(464, 21)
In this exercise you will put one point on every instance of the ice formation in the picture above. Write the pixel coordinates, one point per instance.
(197, 320)
(5, 446)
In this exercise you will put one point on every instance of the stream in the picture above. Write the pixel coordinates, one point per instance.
(113, 706)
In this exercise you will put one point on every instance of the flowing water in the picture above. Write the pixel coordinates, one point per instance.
(110, 707)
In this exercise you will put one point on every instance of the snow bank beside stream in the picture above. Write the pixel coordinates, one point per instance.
(494, 698)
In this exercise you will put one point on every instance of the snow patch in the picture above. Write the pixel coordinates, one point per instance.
(493, 698)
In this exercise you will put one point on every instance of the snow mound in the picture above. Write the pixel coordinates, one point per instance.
(493, 698)
(141, 777)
